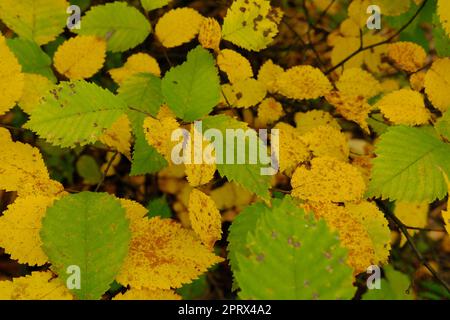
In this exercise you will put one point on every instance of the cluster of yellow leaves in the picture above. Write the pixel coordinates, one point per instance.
(80, 57)
(137, 63)
(11, 78)
(147, 294)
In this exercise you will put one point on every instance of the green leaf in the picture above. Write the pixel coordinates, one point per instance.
(241, 226)
(247, 175)
(394, 287)
(91, 231)
(291, 256)
(122, 25)
(40, 21)
(194, 290)
(146, 160)
(142, 92)
(159, 208)
(192, 89)
(441, 40)
(409, 166)
(76, 112)
(88, 169)
(443, 125)
(150, 5)
(31, 57)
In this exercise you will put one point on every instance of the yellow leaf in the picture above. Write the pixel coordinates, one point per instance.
(407, 56)
(376, 225)
(328, 179)
(236, 66)
(11, 78)
(37, 286)
(119, 136)
(268, 75)
(307, 121)
(40, 21)
(231, 195)
(251, 25)
(303, 82)
(210, 34)
(164, 255)
(23, 170)
(351, 107)
(80, 57)
(205, 218)
(135, 213)
(443, 10)
(245, 93)
(327, 141)
(137, 63)
(412, 215)
(36, 86)
(417, 80)
(19, 229)
(178, 26)
(352, 233)
(355, 81)
(437, 82)
(404, 107)
(269, 111)
(158, 134)
(146, 294)
(293, 150)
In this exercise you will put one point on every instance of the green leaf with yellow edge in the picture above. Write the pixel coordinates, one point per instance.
(150, 5)
(443, 125)
(90, 231)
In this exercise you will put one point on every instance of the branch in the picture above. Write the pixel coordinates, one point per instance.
(410, 241)
(361, 49)
(105, 173)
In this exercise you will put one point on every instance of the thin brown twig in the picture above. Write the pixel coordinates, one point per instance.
(410, 241)
(372, 46)
(105, 172)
